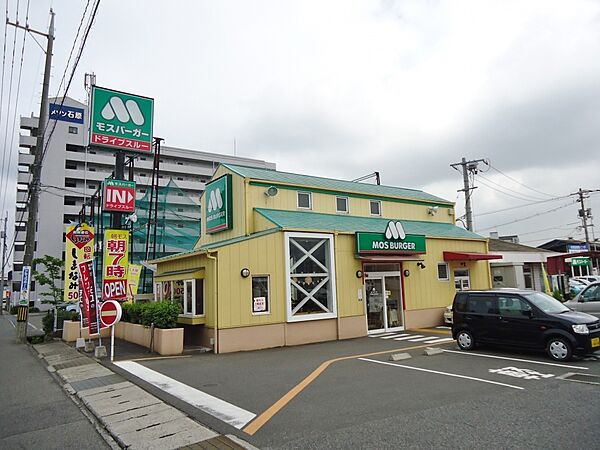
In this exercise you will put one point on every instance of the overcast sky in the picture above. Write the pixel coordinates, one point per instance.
(344, 88)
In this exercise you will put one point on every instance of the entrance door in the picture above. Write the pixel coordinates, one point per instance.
(375, 309)
(384, 302)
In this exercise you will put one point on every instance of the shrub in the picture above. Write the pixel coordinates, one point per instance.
(34, 310)
(162, 314)
(75, 317)
(557, 295)
(14, 309)
(48, 323)
(134, 311)
(125, 307)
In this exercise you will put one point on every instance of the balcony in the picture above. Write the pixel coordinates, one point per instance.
(23, 178)
(27, 141)
(29, 123)
(26, 159)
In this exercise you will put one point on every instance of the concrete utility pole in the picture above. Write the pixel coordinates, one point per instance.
(36, 171)
(3, 237)
(584, 213)
(468, 166)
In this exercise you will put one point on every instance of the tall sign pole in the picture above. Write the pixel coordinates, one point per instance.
(3, 236)
(36, 172)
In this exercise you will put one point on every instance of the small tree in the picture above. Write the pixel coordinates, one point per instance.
(51, 276)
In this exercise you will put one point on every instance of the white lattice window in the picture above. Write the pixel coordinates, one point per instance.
(310, 276)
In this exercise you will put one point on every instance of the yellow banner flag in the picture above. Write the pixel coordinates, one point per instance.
(133, 280)
(79, 246)
(116, 262)
(546, 282)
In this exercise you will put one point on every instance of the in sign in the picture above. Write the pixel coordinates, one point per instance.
(119, 195)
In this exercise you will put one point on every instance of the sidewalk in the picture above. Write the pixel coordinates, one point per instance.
(34, 411)
(132, 416)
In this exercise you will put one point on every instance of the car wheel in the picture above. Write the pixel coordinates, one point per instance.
(465, 340)
(559, 349)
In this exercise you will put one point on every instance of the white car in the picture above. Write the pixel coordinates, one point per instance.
(448, 316)
(587, 279)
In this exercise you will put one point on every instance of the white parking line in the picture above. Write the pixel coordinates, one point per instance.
(444, 328)
(12, 323)
(214, 406)
(419, 339)
(33, 326)
(410, 336)
(394, 336)
(517, 359)
(455, 375)
(440, 340)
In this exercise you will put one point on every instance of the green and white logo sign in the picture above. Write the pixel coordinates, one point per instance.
(218, 204)
(394, 241)
(581, 261)
(122, 121)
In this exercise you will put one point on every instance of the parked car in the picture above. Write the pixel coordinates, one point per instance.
(448, 315)
(527, 319)
(587, 279)
(575, 286)
(587, 301)
(68, 306)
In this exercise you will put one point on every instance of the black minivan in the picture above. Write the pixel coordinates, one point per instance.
(522, 318)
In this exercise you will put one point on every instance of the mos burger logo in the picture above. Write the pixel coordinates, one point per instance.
(215, 201)
(394, 230)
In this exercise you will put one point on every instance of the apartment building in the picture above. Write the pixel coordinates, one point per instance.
(72, 173)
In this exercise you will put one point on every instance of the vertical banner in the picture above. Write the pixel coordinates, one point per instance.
(133, 280)
(79, 246)
(114, 269)
(87, 280)
(25, 282)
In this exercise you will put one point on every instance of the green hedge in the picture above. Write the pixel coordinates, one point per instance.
(162, 314)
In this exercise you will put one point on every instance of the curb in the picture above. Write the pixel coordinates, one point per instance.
(124, 413)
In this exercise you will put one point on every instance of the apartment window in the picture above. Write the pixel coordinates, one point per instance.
(375, 207)
(69, 201)
(91, 169)
(179, 209)
(70, 165)
(23, 168)
(260, 295)
(443, 272)
(180, 178)
(142, 191)
(91, 186)
(179, 163)
(143, 158)
(70, 183)
(21, 187)
(142, 174)
(21, 206)
(310, 276)
(180, 194)
(73, 130)
(304, 200)
(341, 204)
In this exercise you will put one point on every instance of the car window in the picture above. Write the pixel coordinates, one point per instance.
(546, 303)
(512, 306)
(460, 304)
(591, 294)
(481, 304)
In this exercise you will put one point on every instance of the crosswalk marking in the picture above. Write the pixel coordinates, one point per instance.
(378, 335)
(438, 341)
(420, 339)
(410, 336)
(393, 336)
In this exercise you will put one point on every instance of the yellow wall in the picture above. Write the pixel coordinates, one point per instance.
(422, 288)
(347, 283)
(286, 199)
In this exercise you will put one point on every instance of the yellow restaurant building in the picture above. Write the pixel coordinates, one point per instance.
(288, 259)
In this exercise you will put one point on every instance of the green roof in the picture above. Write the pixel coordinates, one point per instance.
(340, 186)
(352, 224)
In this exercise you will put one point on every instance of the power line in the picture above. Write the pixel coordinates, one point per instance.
(13, 128)
(485, 182)
(557, 227)
(525, 218)
(522, 206)
(519, 182)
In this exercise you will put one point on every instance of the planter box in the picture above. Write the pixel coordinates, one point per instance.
(70, 331)
(166, 342)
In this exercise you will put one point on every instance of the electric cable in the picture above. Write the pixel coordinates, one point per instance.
(526, 218)
(522, 206)
(519, 182)
(482, 181)
(500, 188)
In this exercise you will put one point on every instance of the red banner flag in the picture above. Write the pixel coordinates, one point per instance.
(87, 281)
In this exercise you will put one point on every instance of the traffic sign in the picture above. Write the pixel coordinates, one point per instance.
(120, 120)
(119, 195)
(110, 313)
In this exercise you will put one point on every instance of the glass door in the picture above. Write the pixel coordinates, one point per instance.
(393, 301)
(375, 310)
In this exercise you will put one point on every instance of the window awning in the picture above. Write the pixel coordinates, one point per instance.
(178, 275)
(469, 256)
(390, 258)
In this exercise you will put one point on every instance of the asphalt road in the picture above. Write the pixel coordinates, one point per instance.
(35, 413)
(448, 400)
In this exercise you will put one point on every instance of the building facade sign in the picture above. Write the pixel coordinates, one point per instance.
(581, 261)
(66, 113)
(119, 195)
(218, 205)
(576, 248)
(394, 241)
(114, 269)
(121, 121)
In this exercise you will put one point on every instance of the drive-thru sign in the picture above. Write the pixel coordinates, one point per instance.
(119, 195)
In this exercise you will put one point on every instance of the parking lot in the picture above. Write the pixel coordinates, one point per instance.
(350, 394)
